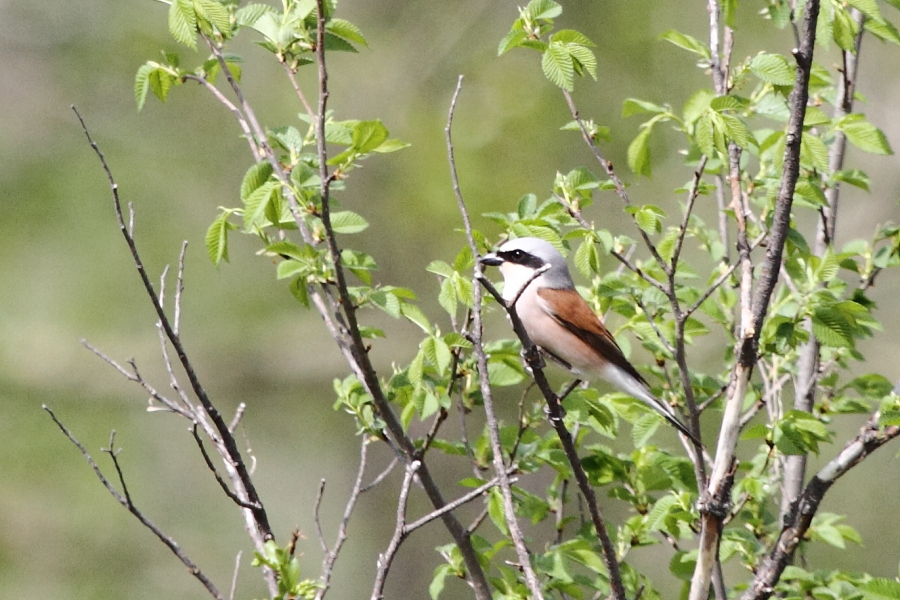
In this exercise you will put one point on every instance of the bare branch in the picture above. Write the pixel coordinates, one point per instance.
(125, 501)
(387, 557)
(515, 532)
(332, 555)
(233, 454)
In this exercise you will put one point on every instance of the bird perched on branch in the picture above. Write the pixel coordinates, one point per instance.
(560, 322)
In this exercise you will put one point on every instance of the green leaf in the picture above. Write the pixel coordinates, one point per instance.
(883, 30)
(557, 66)
(685, 41)
(183, 22)
(346, 221)
(864, 135)
(772, 68)
(369, 135)
(161, 82)
(511, 40)
(346, 30)
(832, 328)
(447, 296)
(215, 13)
(543, 9)
(633, 106)
(738, 131)
(142, 84)
(217, 238)
(437, 582)
(854, 177)
(639, 153)
(248, 15)
(647, 218)
(254, 178)
(256, 203)
(881, 589)
(570, 36)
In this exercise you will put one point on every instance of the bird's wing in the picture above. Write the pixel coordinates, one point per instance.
(581, 321)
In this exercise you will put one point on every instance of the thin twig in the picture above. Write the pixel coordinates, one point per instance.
(515, 531)
(170, 543)
(331, 556)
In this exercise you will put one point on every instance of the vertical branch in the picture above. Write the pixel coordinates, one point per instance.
(717, 493)
(509, 510)
(356, 348)
(810, 354)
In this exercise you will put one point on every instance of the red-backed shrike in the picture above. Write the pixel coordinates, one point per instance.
(562, 324)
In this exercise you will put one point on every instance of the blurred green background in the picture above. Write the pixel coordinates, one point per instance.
(66, 276)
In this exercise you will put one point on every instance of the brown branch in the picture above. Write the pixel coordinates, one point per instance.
(331, 556)
(515, 531)
(125, 501)
(556, 414)
(716, 495)
(870, 438)
(232, 453)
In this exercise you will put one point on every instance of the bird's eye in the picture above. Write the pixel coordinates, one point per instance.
(516, 254)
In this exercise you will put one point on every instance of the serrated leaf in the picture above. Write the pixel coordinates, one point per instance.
(255, 205)
(648, 220)
(160, 82)
(832, 328)
(334, 43)
(368, 135)
(255, 177)
(583, 57)
(346, 30)
(881, 589)
(814, 152)
(685, 41)
(347, 221)
(738, 131)
(248, 15)
(704, 135)
(587, 259)
(142, 84)
(447, 296)
(217, 238)
(639, 153)
(772, 68)
(511, 40)
(883, 30)
(215, 13)
(543, 9)
(570, 36)
(557, 66)
(697, 105)
(183, 22)
(865, 136)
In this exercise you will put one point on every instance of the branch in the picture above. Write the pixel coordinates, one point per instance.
(387, 558)
(515, 532)
(556, 415)
(717, 494)
(808, 372)
(332, 555)
(870, 438)
(125, 501)
(233, 455)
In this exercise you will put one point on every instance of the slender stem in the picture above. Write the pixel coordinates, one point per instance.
(509, 510)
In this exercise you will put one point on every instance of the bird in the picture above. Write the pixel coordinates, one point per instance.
(560, 322)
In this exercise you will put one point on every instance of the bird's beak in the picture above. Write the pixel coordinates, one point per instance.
(491, 260)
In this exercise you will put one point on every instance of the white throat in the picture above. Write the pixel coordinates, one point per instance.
(515, 277)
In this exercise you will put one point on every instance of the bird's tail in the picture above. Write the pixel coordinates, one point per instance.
(639, 390)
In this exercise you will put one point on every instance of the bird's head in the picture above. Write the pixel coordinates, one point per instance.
(518, 259)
